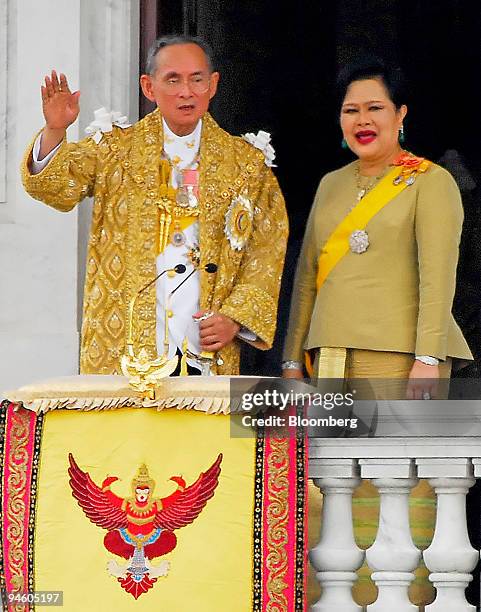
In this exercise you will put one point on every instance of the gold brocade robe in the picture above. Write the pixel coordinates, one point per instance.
(122, 173)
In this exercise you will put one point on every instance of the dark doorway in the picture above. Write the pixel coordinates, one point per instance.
(278, 64)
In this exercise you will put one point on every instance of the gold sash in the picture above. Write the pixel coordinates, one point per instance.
(337, 245)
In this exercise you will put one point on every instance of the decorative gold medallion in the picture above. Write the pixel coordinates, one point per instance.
(238, 222)
(178, 238)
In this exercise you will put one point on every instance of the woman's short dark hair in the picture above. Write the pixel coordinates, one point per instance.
(371, 67)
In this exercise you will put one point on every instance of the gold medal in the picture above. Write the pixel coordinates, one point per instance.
(178, 238)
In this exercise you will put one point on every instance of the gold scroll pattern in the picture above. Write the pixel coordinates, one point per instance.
(277, 525)
(16, 509)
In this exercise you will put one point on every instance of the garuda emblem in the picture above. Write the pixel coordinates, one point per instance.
(141, 527)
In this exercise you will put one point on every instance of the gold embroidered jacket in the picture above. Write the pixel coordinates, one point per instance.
(122, 173)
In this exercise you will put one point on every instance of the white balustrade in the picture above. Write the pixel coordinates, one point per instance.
(393, 573)
(394, 466)
(337, 557)
(450, 557)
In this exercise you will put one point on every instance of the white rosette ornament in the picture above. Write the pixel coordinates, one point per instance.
(238, 222)
(103, 123)
(261, 141)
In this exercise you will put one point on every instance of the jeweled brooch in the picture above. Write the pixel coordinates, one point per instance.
(358, 241)
(238, 222)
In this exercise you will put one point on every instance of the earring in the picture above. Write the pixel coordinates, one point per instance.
(401, 134)
(344, 144)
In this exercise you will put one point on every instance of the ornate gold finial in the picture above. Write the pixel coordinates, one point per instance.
(144, 374)
(165, 204)
(183, 361)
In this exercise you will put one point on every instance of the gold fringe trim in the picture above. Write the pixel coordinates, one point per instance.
(210, 394)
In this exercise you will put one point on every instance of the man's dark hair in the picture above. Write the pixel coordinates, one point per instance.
(372, 67)
(176, 39)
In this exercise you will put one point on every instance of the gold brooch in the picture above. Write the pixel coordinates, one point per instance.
(238, 222)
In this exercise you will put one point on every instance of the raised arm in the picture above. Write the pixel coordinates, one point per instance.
(68, 175)
(60, 108)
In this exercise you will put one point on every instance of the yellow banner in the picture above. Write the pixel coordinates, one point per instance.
(210, 567)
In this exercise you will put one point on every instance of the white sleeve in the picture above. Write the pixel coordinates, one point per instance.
(38, 166)
(246, 334)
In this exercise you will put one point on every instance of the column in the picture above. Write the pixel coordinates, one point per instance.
(336, 557)
(38, 246)
(393, 555)
(450, 557)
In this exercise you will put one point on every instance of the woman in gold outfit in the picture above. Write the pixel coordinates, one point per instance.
(376, 274)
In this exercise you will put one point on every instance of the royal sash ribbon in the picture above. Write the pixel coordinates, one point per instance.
(337, 245)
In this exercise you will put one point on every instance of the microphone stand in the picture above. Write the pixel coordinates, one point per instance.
(206, 357)
(168, 311)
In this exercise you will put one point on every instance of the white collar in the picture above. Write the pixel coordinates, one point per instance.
(182, 151)
(169, 135)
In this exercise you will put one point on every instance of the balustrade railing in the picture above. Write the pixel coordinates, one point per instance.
(394, 466)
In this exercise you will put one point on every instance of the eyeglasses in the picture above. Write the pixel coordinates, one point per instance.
(198, 84)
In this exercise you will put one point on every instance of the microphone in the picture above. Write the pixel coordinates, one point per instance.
(210, 268)
(178, 269)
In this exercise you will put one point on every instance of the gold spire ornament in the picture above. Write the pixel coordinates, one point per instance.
(142, 478)
(145, 374)
(165, 203)
(183, 360)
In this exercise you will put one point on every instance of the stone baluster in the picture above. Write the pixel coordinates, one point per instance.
(477, 472)
(393, 555)
(336, 557)
(477, 467)
(450, 557)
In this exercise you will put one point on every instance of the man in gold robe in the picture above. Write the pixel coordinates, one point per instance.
(173, 189)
